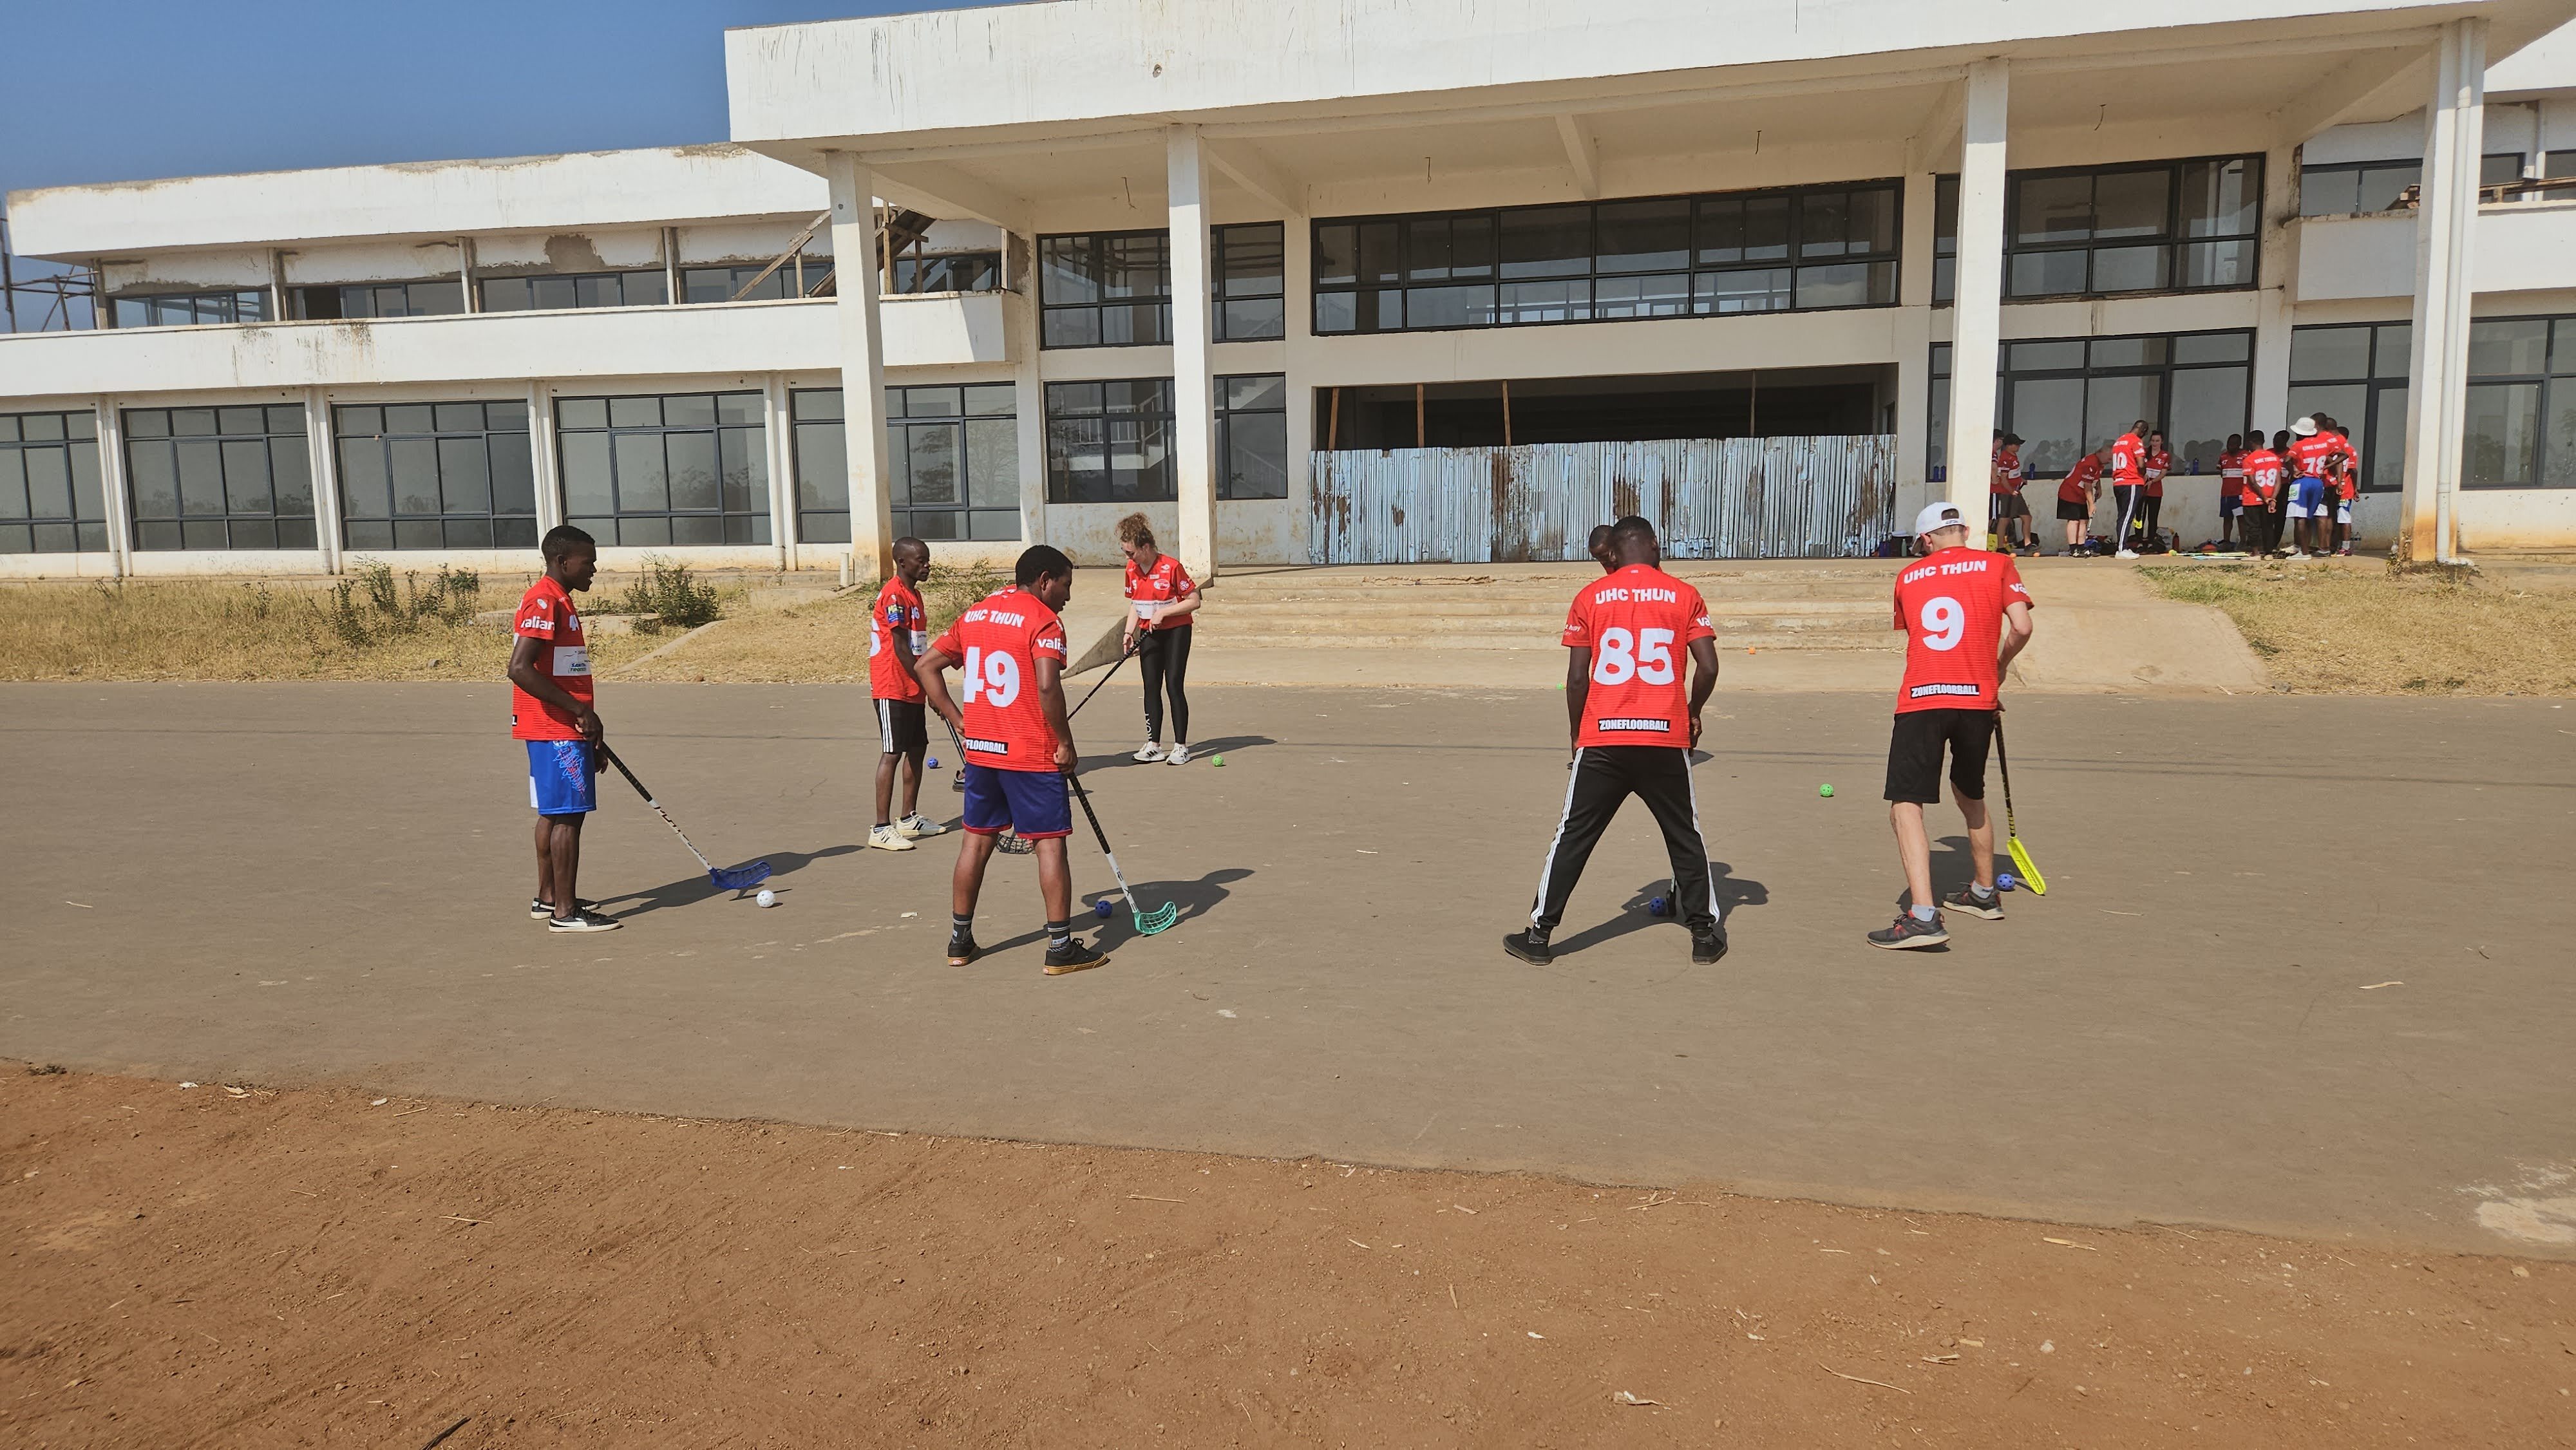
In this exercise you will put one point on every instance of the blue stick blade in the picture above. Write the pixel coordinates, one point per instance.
(740, 878)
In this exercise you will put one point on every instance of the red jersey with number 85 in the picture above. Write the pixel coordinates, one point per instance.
(1951, 607)
(997, 644)
(1639, 624)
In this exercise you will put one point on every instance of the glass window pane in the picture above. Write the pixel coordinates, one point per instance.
(1823, 218)
(1545, 241)
(240, 420)
(993, 400)
(1257, 319)
(643, 533)
(689, 410)
(40, 427)
(2384, 464)
(635, 412)
(2499, 167)
(2131, 269)
(2219, 264)
(1656, 296)
(1256, 456)
(1377, 252)
(741, 408)
(363, 490)
(2383, 187)
(2131, 203)
(1258, 391)
(459, 417)
(933, 463)
(290, 470)
(1873, 220)
(2128, 352)
(595, 292)
(2066, 355)
(201, 477)
(817, 403)
(2208, 404)
(155, 480)
(506, 417)
(469, 533)
(1846, 284)
(2219, 198)
(2111, 404)
(2562, 350)
(1466, 305)
(2508, 346)
(88, 497)
(2503, 434)
(586, 476)
(415, 476)
(1065, 270)
(822, 467)
(1760, 289)
(2326, 354)
(993, 524)
(581, 413)
(1337, 254)
(148, 423)
(993, 465)
(933, 403)
(464, 476)
(2348, 402)
(692, 471)
(358, 422)
(13, 484)
(2329, 191)
(2044, 274)
(1071, 327)
(1250, 258)
(2048, 413)
(1523, 302)
(553, 294)
(1644, 236)
(246, 476)
(2395, 349)
(2211, 347)
(48, 494)
(1133, 266)
(824, 527)
(254, 534)
(514, 483)
(2053, 209)
(643, 485)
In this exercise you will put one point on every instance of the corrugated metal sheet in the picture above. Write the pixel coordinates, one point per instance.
(1711, 498)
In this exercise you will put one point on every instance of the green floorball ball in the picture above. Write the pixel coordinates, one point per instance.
(1220, 760)
(1825, 791)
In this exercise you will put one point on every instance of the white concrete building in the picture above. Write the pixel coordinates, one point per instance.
(1365, 281)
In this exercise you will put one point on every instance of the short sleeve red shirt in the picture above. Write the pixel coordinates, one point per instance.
(998, 643)
(545, 614)
(2086, 472)
(2262, 477)
(1951, 607)
(1639, 623)
(2158, 463)
(1164, 582)
(898, 609)
(2231, 470)
(2128, 461)
(2308, 455)
(2007, 471)
(2348, 481)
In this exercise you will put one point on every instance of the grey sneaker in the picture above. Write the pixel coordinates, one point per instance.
(1966, 899)
(1908, 933)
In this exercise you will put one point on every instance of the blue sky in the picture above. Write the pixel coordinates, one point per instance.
(131, 89)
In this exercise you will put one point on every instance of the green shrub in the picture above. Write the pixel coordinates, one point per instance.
(668, 596)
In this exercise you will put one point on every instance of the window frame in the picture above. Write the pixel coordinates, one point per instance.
(342, 292)
(238, 301)
(1096, 245)
(654, 280)
(2161, 417)
(899, 415)
(756, 533)
(1059, 485)
(2376, 386)
(496, 442)
(1227, 290)
(2556, 381)
(2176, 239)
(1226, 413)
(285, 531)
(1405, 277)
(74, 435)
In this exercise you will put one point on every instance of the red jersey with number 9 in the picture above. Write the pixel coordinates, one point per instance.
(997, 644)
(1951, 607)
(1639, 624)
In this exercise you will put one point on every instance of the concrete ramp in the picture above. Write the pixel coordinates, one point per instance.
(1783, 624)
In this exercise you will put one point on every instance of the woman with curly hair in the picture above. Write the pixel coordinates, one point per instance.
(1161, 598)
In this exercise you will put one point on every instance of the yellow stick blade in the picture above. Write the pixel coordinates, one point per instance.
(2029, 871)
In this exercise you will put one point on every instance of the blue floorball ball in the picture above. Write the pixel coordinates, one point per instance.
(1100, 908)
(2005, 882)
(931, 764)
(1658, 907)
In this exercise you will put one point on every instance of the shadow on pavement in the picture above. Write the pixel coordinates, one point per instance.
(1194, 898)
(1732, 892)
(690, 889)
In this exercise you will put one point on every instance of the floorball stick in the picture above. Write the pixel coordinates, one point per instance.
(733, 878)
(1159, 919)
(2012, 836)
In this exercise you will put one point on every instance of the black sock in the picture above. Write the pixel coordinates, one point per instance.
(1059, 935)
(960, 925)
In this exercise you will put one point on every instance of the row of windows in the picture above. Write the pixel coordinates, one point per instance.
(2162, 226)
(648, 471)
(2068, 396)
(2357, 188)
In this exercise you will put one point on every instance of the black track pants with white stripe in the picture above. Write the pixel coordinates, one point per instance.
(1604, 777)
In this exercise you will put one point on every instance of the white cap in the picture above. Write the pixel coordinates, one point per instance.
(2305, 428)
(1939, 516)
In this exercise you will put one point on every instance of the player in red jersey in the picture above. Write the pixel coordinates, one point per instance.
(2077, 495)
(2008, 517)
(1019, 746)
(1599, 548)
(2313, 451)
(1965, 615)
(898, 630)
(2157, 463)
(1161, 599)
(2231, 487)
(2261, 496)
(2128, 484)
(2344, 482)
(550, 697)
(1624, 639)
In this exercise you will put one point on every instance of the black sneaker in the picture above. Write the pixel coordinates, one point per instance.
(1012, 843)
(1530, 945)
(1073, 956)
(540, 911)
(1708, 946)
(962, 949)
(1909, 932)
(1966, 899)
(583, 920)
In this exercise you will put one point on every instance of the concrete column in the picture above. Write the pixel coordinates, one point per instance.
(1976, 317)
(1297, 287)
(1913, 336)
(1193, 353)
(465, 273)
(1028, 390)
(111, 485)
(542, 458)
(779, 447)
(323, 459)
(277, 286)
(2277, 269)
(863, 410)
(2437, 395)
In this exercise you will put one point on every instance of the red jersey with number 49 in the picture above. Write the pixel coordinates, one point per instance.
(1951, 607)
(546, 615)
(998, 644)
(1639, 624)
(897, 611)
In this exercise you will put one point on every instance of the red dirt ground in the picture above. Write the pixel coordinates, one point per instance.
(236, 1266)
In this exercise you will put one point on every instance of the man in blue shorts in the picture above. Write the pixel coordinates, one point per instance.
(550, 695)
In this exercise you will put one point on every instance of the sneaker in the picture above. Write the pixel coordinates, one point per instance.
(1530, 945)
(1966, 899)
(1708, 946)
(1908, 932)
(2344, 553)
(1150, 752)
(887, 838)
(1073, 956)
(915, 826)
(962, 949)
(583, 921)
(1180, 754)
(1011, 843)
(539, 911)
(2126, 554)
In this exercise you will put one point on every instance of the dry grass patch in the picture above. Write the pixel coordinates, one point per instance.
(824, 642)
(2346, 631)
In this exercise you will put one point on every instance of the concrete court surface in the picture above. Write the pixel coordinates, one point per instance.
(297, 883)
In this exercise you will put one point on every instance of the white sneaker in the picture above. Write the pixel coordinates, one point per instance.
(1180, 754)
(1151, 752)
(887, 838)
(915, 826)
(2126, 554)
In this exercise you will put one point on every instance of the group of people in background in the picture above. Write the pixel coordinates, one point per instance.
(2305, 476)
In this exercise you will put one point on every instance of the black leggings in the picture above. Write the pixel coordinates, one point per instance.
(1163, 657)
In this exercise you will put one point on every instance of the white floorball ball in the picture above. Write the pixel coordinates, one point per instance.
(767, 897)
